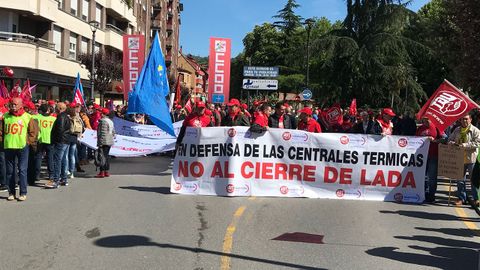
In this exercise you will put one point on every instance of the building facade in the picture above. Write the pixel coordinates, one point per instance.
(193, 76)
(41, 40)
(165, 19)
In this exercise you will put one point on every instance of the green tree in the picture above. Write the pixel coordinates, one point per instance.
(466, 16)
(369, 58)
(107, 69)
(435, 28)
(129, 3)
(288, 20)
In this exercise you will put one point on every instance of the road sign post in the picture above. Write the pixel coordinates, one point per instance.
(253, 84)
(260, 72)
(307, 94)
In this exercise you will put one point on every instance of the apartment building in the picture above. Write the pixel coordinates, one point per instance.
(165, 19)
(193, 76)
(41, 39)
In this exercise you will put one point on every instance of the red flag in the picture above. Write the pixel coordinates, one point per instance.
(4, 90)
(14, 92)
(353, 107)
(26, 93)
(78, 98)
(446, 105)
(334, 116)
(178, 94)
(188, 106)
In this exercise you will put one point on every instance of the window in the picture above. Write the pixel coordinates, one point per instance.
(57, 38)
(98, 14)
(60, 4)
(97, 47)
(72, 50)
(85, 9)
(73, 7)
(84, 46)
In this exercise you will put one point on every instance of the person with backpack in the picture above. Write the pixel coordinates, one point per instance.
(76, 130)
(60, 138)
(105, 140)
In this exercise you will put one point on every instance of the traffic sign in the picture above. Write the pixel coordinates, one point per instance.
(251, 84)
(217, 98)
(264, 72)
(307, 94)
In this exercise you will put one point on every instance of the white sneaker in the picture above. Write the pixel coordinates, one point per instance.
(70, 175)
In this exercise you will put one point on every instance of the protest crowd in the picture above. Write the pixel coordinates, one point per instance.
(261, 116)
(49, 132)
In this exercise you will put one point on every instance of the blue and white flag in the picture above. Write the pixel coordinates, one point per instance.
(151, 89)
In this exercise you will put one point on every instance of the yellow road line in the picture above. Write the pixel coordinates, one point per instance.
(228, 239)
(461, 212)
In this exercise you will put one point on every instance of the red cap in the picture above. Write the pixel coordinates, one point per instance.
(178, 107)
(233, 102)
(256, 103)
(388, 111)
(286, 105)
(244, 106)
(201, 104)
(51, 102)
(96, 106)
(105, 111)
(208, 112)
(307, 111)
(74, 105)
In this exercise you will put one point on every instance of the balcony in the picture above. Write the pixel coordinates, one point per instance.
(113, 37)
(169, 26)
(156, 25)
(19, 50)
(157, 6)
(121, 9)
(199, 81)
(45, 8)
(168, 57)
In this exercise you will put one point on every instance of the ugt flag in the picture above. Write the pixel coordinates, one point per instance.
(78, 92)
(148, 96)
(446, 105)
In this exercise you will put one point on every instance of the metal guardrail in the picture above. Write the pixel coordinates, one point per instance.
(25, 38)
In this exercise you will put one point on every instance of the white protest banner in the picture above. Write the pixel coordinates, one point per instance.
(232, 161)
(132, 129)
(125, 146)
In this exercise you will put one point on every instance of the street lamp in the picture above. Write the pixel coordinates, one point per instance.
(93, 26)
(309, 24)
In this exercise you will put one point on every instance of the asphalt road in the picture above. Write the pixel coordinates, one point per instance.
(131, 221)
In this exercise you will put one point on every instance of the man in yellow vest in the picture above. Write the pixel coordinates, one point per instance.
(46, 121)
(19, 131)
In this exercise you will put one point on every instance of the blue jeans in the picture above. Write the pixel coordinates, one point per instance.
(432, 170)
(42, 148)
(60, 162)
(72, 156)
(3, 168)
(22, 156)
(82, 151)
(461, 186)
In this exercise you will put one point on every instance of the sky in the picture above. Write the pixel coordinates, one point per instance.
(202, 19)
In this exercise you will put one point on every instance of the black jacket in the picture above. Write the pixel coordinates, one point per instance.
(239, 120)
(273, 121)
(61, 129)
(372, 128)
